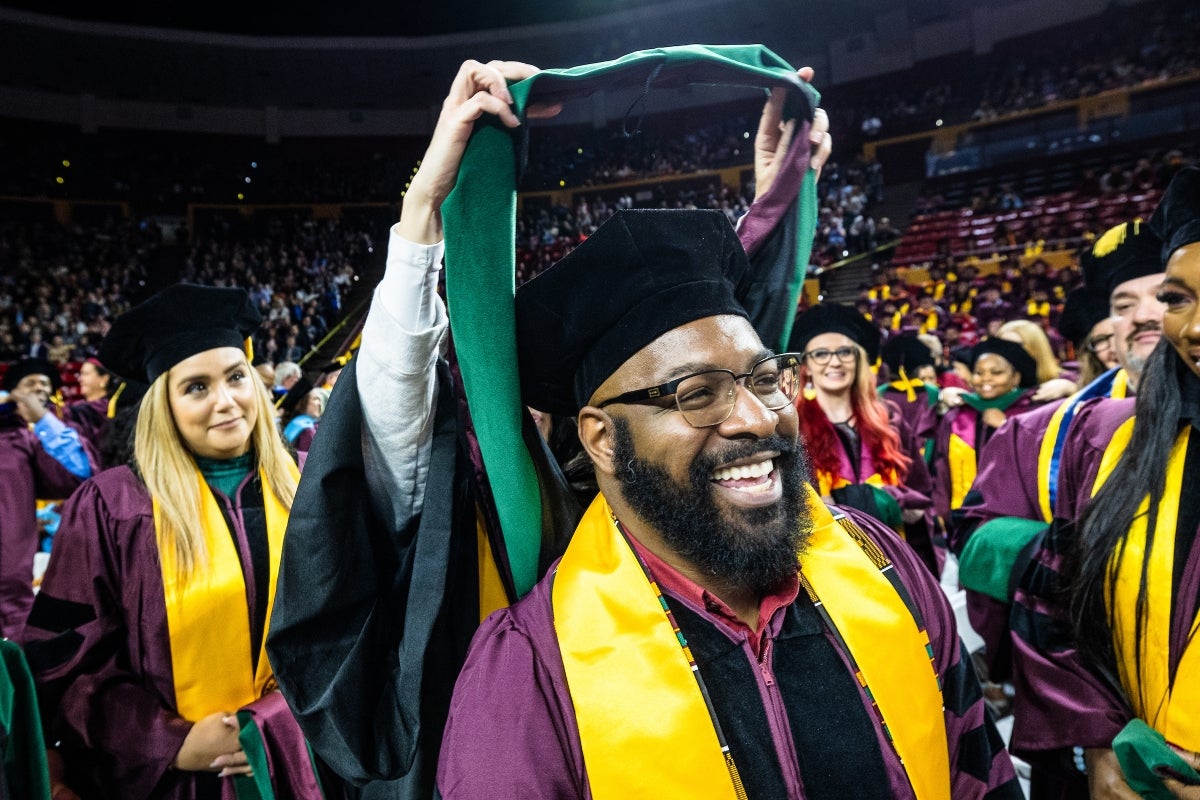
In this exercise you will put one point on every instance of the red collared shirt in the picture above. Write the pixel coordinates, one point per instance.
(673, 582)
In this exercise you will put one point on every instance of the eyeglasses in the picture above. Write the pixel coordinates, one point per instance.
(1100, 343)
(822, 357)
(707, 398)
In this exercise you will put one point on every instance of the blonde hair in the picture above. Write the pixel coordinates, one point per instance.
(1037, 344)
(168, 469)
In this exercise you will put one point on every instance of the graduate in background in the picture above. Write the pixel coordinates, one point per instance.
(1004, 378)
(90, 413)
(41, 458)
(907, 358)
(147, 636)
(863, 451)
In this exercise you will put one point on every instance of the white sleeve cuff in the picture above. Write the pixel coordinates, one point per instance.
(408, 291)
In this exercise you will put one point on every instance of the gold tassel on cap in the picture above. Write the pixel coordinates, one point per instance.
(1114, 237)
(112, 401)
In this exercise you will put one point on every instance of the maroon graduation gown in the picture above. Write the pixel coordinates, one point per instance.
(941, 466)
(523, 741)
(99, 648)
(1060, 702)
(27, 472)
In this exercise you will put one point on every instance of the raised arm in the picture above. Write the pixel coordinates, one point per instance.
(360, 590)
(406, 326)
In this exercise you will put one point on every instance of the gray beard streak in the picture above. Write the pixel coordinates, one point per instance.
(1134, 366)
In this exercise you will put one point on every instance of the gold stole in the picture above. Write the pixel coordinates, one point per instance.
(961, 463)
(207, 617)
(492, 595)
(644, 725)
(1118, 390)
(1170, 707)
(828, 481)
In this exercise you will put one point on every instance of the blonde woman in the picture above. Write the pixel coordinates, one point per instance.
(147, 636)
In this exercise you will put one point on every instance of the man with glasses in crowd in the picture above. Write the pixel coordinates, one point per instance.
(1125, 267)
(713, 628)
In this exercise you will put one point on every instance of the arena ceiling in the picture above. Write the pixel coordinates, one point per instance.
(317, 55)
(399, 18)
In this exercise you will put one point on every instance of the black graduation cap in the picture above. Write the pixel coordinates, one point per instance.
(1011, 352)
(906, 351)
(1124, 252)
(1082, 309)
(1177, 218)
(836, 318)
(641, 274)
(963, 355)
(177, 323)
(31, 366)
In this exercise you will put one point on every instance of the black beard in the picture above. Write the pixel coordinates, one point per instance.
(753, 549)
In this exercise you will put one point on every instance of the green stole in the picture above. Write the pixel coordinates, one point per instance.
(645, 726)
(26, 773)
(1169, 704)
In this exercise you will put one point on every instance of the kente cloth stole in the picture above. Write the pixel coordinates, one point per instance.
(208, 619)
(961, 456)
(645, 723)
(1168, 703)
(1114, 384)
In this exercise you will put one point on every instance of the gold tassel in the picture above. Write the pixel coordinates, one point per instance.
(112, 401)
(1114, 237)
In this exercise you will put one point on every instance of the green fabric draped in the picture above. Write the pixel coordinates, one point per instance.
(987, 560)
(26, 773)
(479, 218)
(1002, 402)
(1145, 757)
(256, 786)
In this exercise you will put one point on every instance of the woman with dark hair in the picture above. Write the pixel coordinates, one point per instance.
(1107, 647)
(94, 384)
(1004, 379)
(91, 414)
(863, 452)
